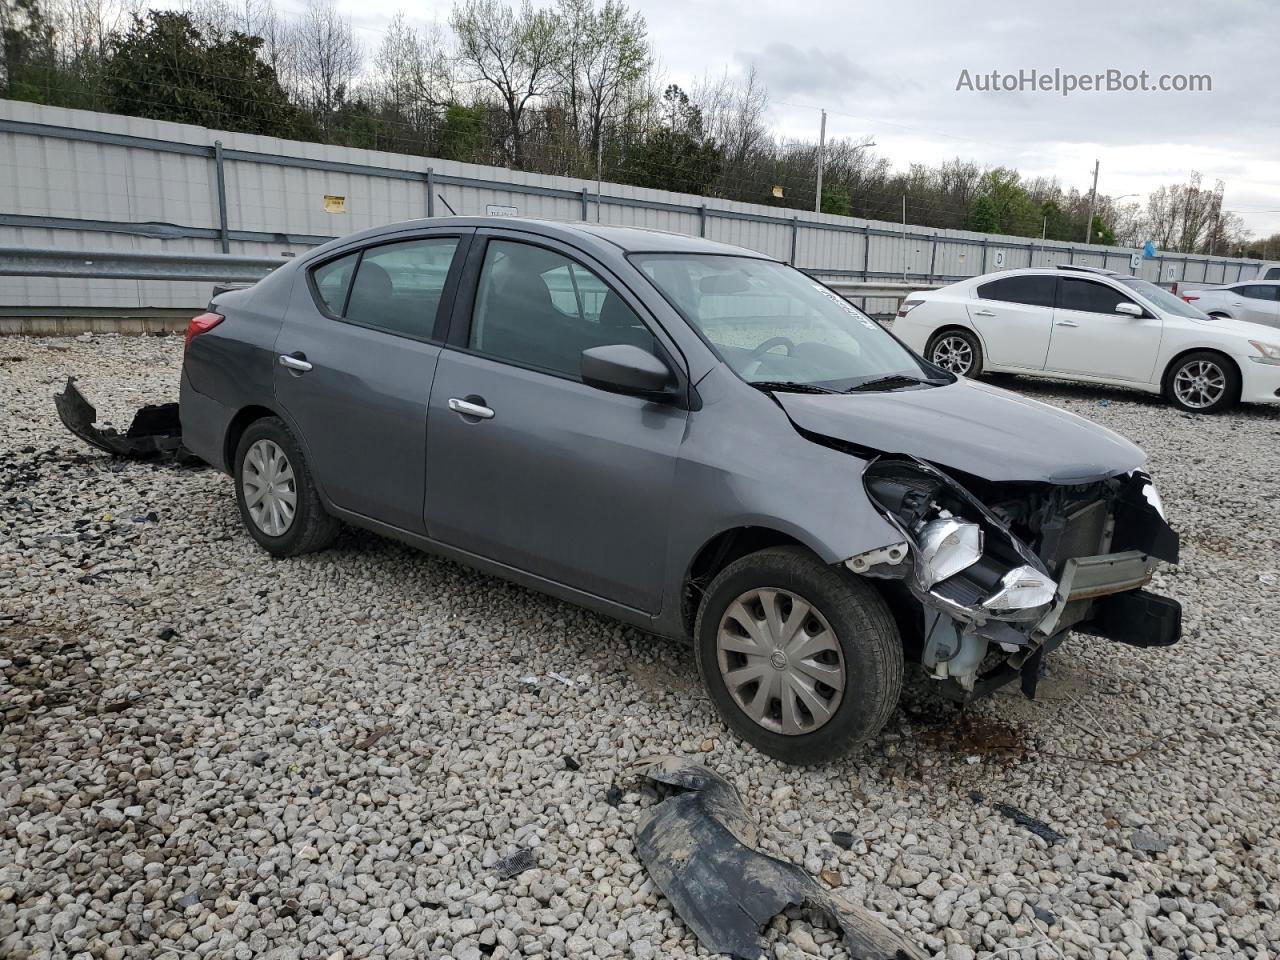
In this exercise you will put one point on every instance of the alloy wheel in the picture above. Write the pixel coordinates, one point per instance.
(781, 661)
(1199, 384)
(270, 490)
(953, 354)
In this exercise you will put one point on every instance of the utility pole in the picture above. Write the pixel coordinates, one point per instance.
(1093, 197)
(822, 156)
(904, 238)
(599, 164)
(1044, 228)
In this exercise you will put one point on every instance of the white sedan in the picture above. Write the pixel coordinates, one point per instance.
(1253, 301)
(1095, 326)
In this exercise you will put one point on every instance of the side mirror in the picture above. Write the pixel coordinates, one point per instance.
(1130, 309)
(625, 368)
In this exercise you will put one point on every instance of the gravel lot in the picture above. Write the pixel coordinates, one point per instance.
(209, 753)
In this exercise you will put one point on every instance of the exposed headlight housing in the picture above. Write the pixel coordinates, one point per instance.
(1022, 588)
(947, 546)
(1270, 352)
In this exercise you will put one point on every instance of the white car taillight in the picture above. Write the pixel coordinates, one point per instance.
(908, 306)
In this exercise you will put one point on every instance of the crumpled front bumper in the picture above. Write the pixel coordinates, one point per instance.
(1100, 593)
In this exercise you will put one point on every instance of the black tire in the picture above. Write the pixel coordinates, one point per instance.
(869, 642)
(940, 341)
(1194, 361)
(311, 528)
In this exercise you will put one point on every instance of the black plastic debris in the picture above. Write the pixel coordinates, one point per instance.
(1047, 917)
(156, 430)
(699, 847)
(166, 633)
(571, 764)
(613, 796)
(515, 864)
(1038, 827)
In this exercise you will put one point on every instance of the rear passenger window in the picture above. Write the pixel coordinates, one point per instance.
(1272, 274)
(397, 286)
(332, 280)
(1257, 291)
(539, 309)
(1089, 296)
(1035, 291)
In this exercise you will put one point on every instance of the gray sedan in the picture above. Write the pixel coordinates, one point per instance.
(690, 437)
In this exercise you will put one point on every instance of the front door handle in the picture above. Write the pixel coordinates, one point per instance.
(469, 409)
(1067, 323)
(296, 362)
(984, 313)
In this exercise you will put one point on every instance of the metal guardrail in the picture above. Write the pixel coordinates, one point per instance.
(222, 267)
(132, 265)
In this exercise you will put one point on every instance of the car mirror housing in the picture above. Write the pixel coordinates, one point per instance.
(1129, 309)
(626, 368)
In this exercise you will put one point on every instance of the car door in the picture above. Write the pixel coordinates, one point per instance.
(1092, 339)
(527, 465)
(1014, 315)
(356, 356)
(1256, 303)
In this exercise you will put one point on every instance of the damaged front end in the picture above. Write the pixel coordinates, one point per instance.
(1003, 570)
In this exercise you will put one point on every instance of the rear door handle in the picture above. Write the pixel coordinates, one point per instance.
(984, 313)
(469, 409)
(1067, 323)
(296, 362)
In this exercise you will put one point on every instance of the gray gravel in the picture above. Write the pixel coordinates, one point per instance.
(209, 753)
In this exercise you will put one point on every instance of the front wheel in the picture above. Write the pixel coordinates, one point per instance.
(956, 351)
(1202, 382)
(801, 659)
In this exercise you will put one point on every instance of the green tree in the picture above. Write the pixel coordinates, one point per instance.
(465, 135)
(165, 68)
(1099, 232)
(1003, 205)
(516, 52)
(29, 69)
(677, 156)
(835, 200)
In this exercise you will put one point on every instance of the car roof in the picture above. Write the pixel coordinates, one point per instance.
(627, 239)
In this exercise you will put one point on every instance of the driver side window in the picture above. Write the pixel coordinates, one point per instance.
(1089, 296)
(537, 308)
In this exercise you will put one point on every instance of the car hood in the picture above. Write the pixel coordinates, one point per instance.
(972, 427)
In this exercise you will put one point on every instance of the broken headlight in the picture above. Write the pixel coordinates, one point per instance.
(965, 559)
(946, 546)
(1022, 588)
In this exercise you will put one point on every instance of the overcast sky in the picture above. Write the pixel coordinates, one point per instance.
(889, 70)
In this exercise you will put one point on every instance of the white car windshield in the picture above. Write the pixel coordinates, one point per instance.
(775, 326)
(1163, 299)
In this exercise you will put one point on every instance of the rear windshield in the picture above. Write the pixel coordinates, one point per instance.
(1162, 298)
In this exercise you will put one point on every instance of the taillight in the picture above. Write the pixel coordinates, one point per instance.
(908, 306)
(1189, 298)
(201, 324)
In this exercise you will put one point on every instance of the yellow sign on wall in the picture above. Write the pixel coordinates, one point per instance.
(334, 204)
(777, 191)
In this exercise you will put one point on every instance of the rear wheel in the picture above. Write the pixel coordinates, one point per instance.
(278, 500)
(1202, 382)
(802, 660)
(956, 351)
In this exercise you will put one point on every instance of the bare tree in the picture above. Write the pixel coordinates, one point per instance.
(516, 52)
(412, 71)
(329, 57)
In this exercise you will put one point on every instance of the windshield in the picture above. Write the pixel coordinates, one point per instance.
(1163, 299)
(774, 325)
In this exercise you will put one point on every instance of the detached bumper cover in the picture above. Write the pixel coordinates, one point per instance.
(699, 848)
(155, 431)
